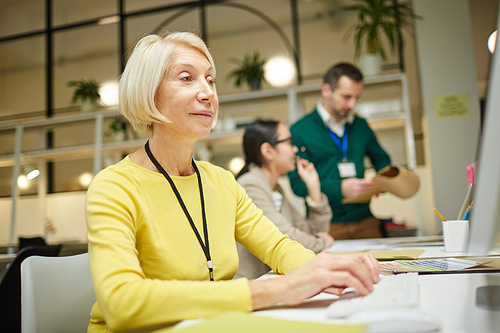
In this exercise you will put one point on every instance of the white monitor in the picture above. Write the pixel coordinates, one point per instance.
(485, 217)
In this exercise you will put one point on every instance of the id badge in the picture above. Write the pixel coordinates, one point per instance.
(347, 170)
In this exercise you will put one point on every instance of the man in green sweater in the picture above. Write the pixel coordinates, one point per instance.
(337, 142)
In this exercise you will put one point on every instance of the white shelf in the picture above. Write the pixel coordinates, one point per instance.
(293, 96)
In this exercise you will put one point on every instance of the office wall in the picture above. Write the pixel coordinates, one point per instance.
(320, 35)
(66, 211)
(447, 69)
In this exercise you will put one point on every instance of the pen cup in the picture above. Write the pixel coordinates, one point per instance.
(456, 235)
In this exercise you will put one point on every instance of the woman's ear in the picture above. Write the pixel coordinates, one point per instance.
(267, 151)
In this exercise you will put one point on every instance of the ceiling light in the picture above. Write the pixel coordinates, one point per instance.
(109, 20)
(279, 71)
(109, 93)
(31, 173)
(236, 164)
(492, 41)
(85, 178)
(22, 182)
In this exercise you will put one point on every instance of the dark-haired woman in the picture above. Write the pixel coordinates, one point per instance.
(270, 153)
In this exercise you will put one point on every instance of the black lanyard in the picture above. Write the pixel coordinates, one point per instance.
(204, 246)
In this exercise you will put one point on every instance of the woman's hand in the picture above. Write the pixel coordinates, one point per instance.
(325, 273)
(327, 237)
(307, 172)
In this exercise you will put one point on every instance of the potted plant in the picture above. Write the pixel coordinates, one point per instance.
(377, 18)
(250, 70)
(87, 92)
(117, 129)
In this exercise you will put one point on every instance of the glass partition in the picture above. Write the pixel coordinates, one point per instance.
(179, 19)
(229, 24)
(68, 12)
(22, 78)
(90, 52)
(138, 5)
(21, 16)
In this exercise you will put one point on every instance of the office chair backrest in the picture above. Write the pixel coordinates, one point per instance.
(30, 241)
(57, 294)
(10, 287)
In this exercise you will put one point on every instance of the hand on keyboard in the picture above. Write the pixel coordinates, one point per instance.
(326, 272)
(399, 290)
(352, 292)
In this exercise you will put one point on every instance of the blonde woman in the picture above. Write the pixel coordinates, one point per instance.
(162, 227)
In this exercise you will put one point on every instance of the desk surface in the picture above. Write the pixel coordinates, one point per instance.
(450, 297)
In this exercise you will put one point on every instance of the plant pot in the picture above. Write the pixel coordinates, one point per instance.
(255, 85)
(119, 136)
(88, 105)
(371, 64)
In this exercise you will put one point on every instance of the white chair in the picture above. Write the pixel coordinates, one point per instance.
(56, 294)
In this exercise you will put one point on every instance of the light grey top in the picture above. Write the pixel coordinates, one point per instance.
(288, 220)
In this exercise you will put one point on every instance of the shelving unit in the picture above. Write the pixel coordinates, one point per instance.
(296, 101)
(285, 104)
(294, 97)
(393, 125)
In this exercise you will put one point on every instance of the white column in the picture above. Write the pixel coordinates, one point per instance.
(447, 68)
(14, 190)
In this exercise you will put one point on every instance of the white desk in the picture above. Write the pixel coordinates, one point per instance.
(450, 297)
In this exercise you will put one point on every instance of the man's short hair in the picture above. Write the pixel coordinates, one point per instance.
(333, 75)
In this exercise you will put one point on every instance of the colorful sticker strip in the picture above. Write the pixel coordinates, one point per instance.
(434, 265)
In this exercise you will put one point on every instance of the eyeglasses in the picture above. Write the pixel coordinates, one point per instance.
(289, 140)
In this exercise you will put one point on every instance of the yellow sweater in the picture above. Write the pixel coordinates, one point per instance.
(147, 266)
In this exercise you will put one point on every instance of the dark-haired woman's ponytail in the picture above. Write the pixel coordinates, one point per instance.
(243, 170)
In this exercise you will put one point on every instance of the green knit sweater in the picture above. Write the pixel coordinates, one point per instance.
(311, 136)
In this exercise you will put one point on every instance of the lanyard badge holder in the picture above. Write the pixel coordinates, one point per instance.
(346, 169)
(204, 245)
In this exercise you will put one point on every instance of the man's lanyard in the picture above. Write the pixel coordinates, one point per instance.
(204, 246)
(342, 146)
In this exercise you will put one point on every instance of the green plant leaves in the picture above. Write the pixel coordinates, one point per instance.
(249, 69)
(85, 89)
(378, 18)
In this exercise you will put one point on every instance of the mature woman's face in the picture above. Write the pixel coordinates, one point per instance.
(187, 95)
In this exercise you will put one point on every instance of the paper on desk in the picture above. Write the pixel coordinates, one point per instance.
(247, 323)
(354, 245)
(431, 265)
(407, 254)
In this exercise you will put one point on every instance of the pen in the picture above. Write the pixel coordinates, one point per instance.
(467, 212)
(439, 214)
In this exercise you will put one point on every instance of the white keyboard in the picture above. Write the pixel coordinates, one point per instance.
(400, 290)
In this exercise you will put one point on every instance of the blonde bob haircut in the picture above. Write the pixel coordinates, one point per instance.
(144, 72)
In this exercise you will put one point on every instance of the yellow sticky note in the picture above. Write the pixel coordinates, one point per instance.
(408, 254)
(248, 323)
(449, 106)
(396, 254)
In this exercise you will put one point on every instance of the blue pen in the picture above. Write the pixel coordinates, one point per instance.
(466, 215)
(467, 212)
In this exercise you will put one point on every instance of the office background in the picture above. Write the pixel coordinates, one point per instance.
(447, 56)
